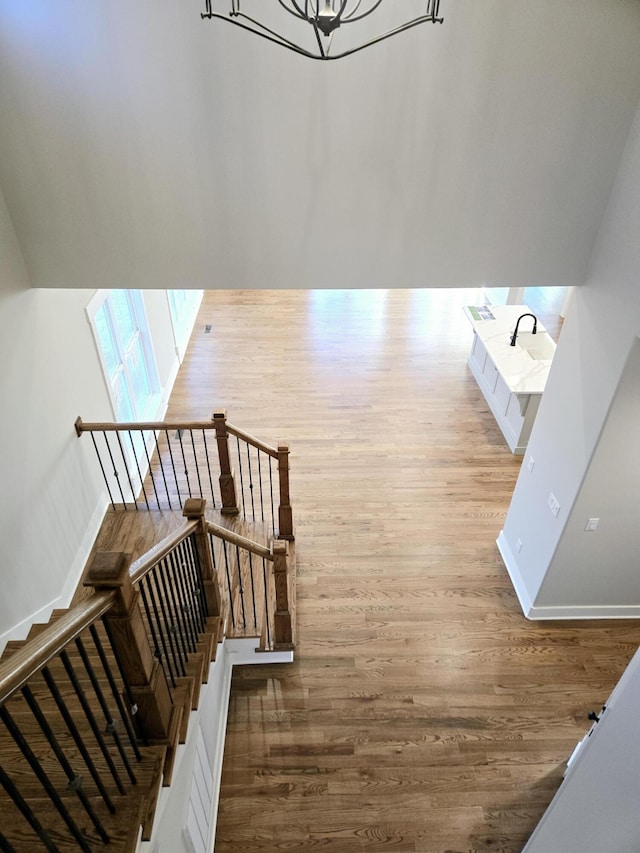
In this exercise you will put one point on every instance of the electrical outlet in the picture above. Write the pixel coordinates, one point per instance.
(531, 463)
(554, 506)
(591, 524)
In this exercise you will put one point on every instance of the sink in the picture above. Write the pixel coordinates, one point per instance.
(541, 347)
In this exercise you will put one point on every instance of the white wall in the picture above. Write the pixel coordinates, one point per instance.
(51, 495)
(596, 807)
(557, 573)
(143, 147)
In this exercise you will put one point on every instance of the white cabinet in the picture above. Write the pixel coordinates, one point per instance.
(515, 412)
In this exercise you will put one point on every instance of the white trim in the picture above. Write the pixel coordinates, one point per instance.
(517, 580)
(563, 611)
(20, 631)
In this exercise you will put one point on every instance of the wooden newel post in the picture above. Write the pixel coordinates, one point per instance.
(193, 510)
(125, 626)
(283, 632)
(285, 516)
(227, 482)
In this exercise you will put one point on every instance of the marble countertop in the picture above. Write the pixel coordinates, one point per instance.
(522, 373)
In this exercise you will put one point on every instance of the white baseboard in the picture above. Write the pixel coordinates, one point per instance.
(511, 565)
(563, 611)
(20, 631)
(82, 554)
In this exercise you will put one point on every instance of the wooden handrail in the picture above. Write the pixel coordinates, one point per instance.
(240, 541)
(38, 652)
(142, 565)
(81, 426)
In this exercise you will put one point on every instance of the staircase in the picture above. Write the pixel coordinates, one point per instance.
(95, 704)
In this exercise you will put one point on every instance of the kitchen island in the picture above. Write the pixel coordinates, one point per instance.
(511, 378)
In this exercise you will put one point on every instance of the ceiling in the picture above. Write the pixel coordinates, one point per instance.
(143, 147)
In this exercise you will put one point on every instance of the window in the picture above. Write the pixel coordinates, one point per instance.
(183, 305)
(120, 327)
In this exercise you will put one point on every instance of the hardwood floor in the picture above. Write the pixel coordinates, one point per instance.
(423, 712)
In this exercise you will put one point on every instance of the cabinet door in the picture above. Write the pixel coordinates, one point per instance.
(478, 353)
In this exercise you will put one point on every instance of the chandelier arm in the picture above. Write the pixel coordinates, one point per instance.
(355, 9)
(318, 39)
(349, 19)
(409, 25)
(269, 35)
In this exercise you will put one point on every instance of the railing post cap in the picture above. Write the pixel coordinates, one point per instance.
(221, 413)
(279, 547)
(194, 508)
(108, 570)
(283, 448)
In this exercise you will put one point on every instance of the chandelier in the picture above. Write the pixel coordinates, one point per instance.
(324, 17)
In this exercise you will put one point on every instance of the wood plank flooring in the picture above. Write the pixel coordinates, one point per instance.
(423, 712)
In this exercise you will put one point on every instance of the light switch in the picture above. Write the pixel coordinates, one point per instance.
(591, 524)
(554, 506)
(531, 463)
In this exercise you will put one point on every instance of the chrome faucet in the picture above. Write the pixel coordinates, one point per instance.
(515, 333)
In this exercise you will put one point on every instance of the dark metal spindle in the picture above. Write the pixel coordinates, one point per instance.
(77, 738)
(104, 473)
(27, 813)
(253, 591)
(244, 510)
(173, 629)
(253, 508)
(135, 459)
(273, 517)
(42, 777)
(73, 678)
(186, 595)
(195, 459)
(260, 480)
(197, 583)
(133, 707)
(183, 606)
(229, 588)
(184, 461)
(75, 781)
(124, 716)
(108, 716)
(115, 470)
(241, 587)
(164, 479)
(169, 626)
(206, 456)
(149, 468)
(151, 621)
(169, 582)
(173, 467)
(126, 468)
(266, 601)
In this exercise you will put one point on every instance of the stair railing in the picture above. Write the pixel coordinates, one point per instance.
(121, 668)
(159, 465)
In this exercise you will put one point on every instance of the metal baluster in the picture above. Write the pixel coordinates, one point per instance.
(186, 597)
(226, 566)
(168, 622)
(195, 459)
(149, 468)
(157, 651)
(253, 591)
(66, 662)
(75, 781)
(115, 470)
(78, 740)
(104, 473)
(133, 707)
(244, 510)
(115, 692)
(197, 583)
(27, 813)
(266, 600)
(161, 463)
(170, 585)
(260, 479)
(181, 613)
(108, 716)
(273, 517)
(206, 456)
(253, 508)
(184, 460)
(173, 467)
(42, 777)
(241, 587)
(135, 459)
(126, 468)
